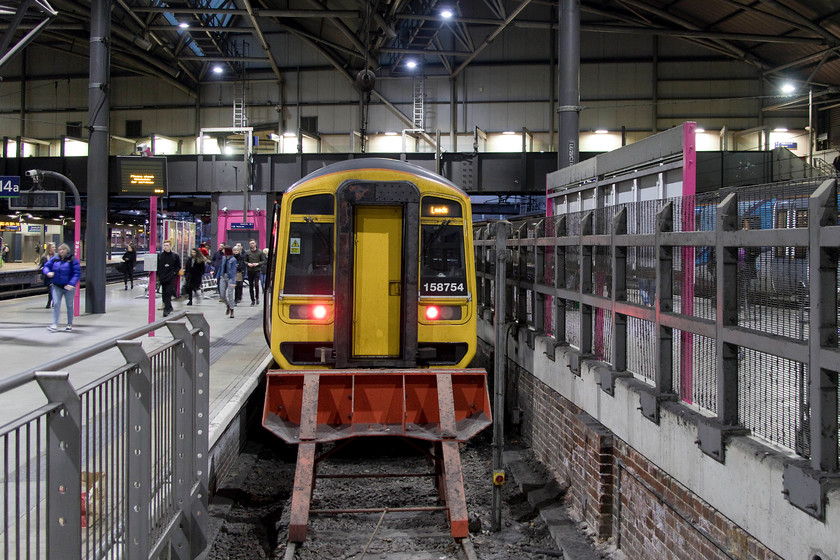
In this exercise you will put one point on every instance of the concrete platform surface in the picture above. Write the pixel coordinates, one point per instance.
(238, 351)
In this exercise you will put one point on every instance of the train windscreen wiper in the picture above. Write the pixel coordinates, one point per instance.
(317, 231)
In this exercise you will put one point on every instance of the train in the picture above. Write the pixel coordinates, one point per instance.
(370, 316)
(371, 266)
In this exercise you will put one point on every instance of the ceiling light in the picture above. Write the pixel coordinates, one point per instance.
(289, 134)
(508, 132)
(183, 25)
(217, 69)
(390, 134)
(780, 130)
(788, 88)
(446, 13)
(699, 130)
(411, 64)
(601, 131)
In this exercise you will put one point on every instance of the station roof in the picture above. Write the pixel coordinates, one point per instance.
(181, 41)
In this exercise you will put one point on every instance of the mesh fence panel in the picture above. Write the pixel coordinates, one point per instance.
(695, 369)
(641, 348)
(602, 339)
(573, 323)
(772, 400)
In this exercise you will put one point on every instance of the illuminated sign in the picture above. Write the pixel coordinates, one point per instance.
(9, 185)
(437, 207)
(38, 200)
(142, 176)
(9, 226)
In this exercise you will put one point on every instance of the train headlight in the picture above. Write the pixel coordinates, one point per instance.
(319, 312)
(432, 312)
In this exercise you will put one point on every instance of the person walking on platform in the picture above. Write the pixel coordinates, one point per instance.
(227, 280)
(193, 271)
(254, 261)
(168, 269)
(48, 255)
(4, 251)
(240, 271)
(218, 262)
(64, 272)
(129, 259)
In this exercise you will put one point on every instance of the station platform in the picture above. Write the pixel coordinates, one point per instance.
(238, 351)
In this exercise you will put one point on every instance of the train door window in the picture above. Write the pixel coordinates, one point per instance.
(443, 271)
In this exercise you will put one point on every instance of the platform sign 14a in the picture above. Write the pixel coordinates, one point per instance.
(9, 186)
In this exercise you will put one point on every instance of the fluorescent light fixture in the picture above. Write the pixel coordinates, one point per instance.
(290, 134)
(183, 25)
(698, 130)
(411, 64)
(217, 69)
(390, 134)
(780, 130)
(601, 131)
(508, 132)
(228, 150)
(446, 13)
(788, 88)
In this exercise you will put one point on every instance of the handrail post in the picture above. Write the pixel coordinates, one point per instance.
(501, 232)
(64, 465)
(183, 432)
(139, 461)
(201, 446)
(822, 211)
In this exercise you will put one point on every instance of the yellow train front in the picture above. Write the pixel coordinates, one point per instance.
(370, 316)
(374, 268)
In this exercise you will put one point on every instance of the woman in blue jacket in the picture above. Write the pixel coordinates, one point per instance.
(64, 272)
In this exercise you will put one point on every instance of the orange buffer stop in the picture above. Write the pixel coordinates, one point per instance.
(445, 406)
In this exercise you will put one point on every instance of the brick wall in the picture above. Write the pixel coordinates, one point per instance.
(656, 517)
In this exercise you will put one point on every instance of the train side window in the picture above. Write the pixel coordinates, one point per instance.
(781, 223)
(801, 222)
(316, 204)
(443, 270)
(309, 264)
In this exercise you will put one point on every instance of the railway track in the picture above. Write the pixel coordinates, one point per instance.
(367, 504)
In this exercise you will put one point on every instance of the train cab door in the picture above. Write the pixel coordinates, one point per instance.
(377, 281)
(376, 274)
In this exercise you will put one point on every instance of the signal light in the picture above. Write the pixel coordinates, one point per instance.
(319, 312)
(432, 313)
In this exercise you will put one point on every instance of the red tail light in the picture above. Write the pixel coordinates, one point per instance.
(432, 313)
(319, 312)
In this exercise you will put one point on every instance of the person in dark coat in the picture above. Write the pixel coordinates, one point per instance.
(49, 254)
(64, 271)
(218, 262)
(129, 259)
(193, 271)
(240, 271)
(168, 270)
(227, 280)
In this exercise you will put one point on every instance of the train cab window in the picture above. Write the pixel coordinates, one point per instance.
(309, 261)
(317, 204)
(443, 271)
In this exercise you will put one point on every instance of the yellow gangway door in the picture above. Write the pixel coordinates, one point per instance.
(377, 274)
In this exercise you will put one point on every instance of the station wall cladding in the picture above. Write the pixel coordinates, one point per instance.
(614, 489)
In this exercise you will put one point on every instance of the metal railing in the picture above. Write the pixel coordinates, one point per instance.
(117, 468)
(710, 300)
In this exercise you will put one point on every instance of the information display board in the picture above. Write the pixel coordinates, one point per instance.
(142, 176)
(38, 200)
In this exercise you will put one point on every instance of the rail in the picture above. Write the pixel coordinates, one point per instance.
(119, 467)
(709, 300)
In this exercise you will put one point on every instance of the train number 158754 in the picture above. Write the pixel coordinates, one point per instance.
(452, 287)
